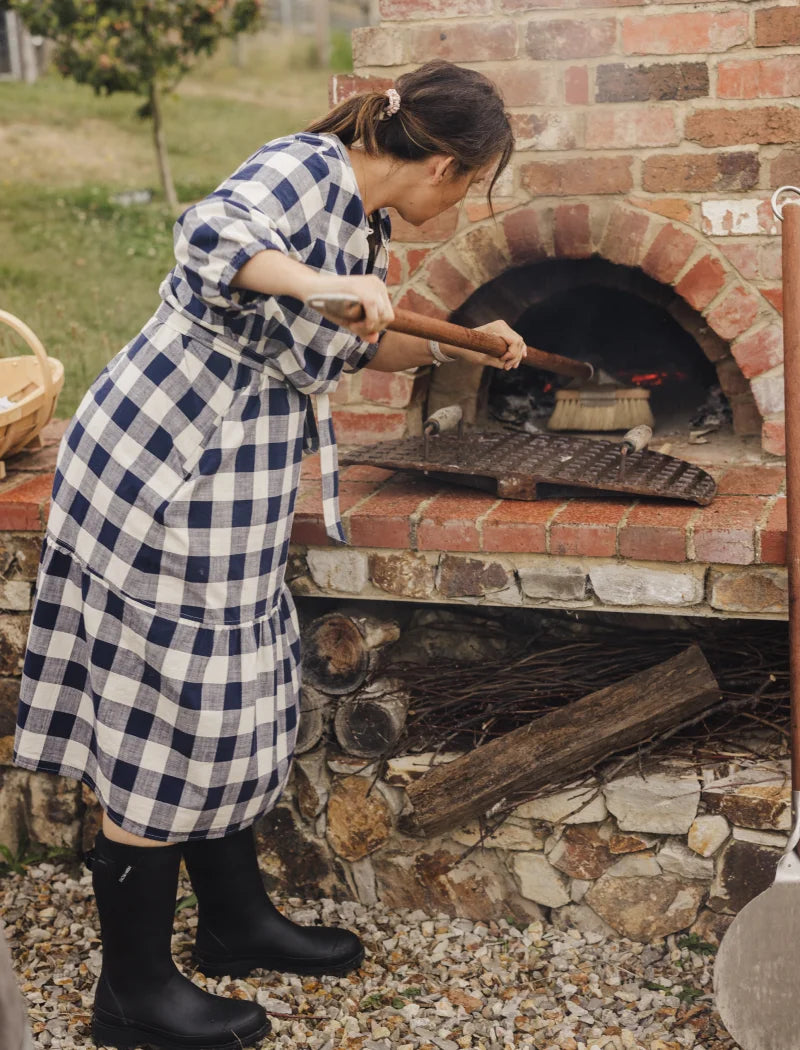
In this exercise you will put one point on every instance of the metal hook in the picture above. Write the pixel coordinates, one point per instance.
(776, 209)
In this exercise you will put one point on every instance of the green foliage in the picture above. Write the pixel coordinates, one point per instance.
(186, 902)
(131, 45)
(693, 942)
(30, 853)
(341, 52)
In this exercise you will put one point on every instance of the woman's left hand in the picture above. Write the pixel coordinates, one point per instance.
(515, 343)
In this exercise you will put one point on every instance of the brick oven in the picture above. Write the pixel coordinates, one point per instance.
(649, 141)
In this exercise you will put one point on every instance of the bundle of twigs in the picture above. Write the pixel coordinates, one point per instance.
(458, 706)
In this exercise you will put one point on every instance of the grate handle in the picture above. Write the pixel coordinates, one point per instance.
(410, 323)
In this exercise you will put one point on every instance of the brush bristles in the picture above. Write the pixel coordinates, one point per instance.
(623, 414)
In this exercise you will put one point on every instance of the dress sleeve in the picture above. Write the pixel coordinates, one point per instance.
(271, 202)
(215, 238)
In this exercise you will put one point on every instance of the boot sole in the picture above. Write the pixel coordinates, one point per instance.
(127, 1037)
(243, 967)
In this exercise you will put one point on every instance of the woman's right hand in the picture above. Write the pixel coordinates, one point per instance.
(371, 292)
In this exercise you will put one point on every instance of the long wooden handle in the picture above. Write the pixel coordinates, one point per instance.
(470, 339)
(791, 366)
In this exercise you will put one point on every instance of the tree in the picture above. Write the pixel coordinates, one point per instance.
(142, 46)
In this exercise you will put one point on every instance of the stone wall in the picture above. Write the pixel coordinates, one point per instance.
(651, 135)
(681, 847)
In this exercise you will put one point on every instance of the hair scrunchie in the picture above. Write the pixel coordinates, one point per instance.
(393, 104)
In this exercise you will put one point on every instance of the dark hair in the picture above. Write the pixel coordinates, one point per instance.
(444, 108)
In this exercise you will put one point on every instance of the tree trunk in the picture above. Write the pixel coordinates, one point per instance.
(341, 649)
(170, 196)
(322, 27)
(370, 722)
(565, 742)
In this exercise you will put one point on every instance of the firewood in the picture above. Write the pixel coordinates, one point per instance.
(370, 722)
(314, 718)
(575, 738)
(340, 649)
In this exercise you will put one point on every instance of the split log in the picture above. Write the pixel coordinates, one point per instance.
(314, 719)
(570, 739)
(340, 649)
(370, 722)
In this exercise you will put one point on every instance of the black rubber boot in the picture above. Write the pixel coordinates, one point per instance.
(142, 999)
(239, 928)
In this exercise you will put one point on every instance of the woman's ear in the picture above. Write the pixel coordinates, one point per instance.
(441, 168)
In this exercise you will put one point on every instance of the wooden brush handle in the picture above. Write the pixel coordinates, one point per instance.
(410, 323)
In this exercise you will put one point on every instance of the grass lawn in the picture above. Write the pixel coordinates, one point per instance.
(84, 271)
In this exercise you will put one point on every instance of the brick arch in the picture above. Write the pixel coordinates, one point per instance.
(738, 329)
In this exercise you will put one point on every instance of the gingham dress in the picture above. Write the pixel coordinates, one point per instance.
(162, 662)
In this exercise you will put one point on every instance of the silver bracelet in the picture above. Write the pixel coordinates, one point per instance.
(439, 358)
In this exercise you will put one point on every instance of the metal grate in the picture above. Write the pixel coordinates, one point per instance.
(513, 465)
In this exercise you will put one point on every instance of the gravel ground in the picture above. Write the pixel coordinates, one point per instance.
(429, 982)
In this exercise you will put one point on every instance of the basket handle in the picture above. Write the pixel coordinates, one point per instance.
(35, 344)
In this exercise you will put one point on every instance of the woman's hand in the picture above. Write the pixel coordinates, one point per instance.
(376, 307)
(515, 343)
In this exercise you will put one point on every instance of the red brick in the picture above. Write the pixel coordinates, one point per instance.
(689, 33)
(420, 304)
(527, 85)
(735, 314)
(395, 274)
(524, 236)
(386, 518)
(587, 527)
(668, 254)
(730, 378)
(308, 526)
(452, 286)
(769, 261)
(670, 207)
(364, 472)
(407, 9)
(310, 467)
(725, 531)
(345, 85)
(776, 26)
(761, 480)
(774, 296)
(571, 38)
(415, 258)
(730, 127)
(576, 85)
(759, 351)
(572, 234)
(656, 532)
(530, 5)
(464, 41)
(24, 501)
(653, 82)
(481, 246)
(378, 46)
(368, 425)
(578, 176)
(393, 389)
(519, 526)
(449, 522)
(785, 168)
(746, 415)
(624, 237)
(440, 228)
(768, 392)
(702, 283)
(744, 257)
(684, 172)
(547, 131)
(478, 210)
(631, 128)
(773, 436)
(761, 78)
(773, 536)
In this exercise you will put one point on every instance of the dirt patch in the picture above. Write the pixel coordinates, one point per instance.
(92, 151)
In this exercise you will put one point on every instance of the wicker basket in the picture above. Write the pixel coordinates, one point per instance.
(33, 384)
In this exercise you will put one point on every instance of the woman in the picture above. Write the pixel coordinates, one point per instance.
(162, 660)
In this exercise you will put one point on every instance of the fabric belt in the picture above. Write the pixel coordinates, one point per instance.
(318, 434)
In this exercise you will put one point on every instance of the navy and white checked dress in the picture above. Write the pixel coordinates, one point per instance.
(162, 662)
